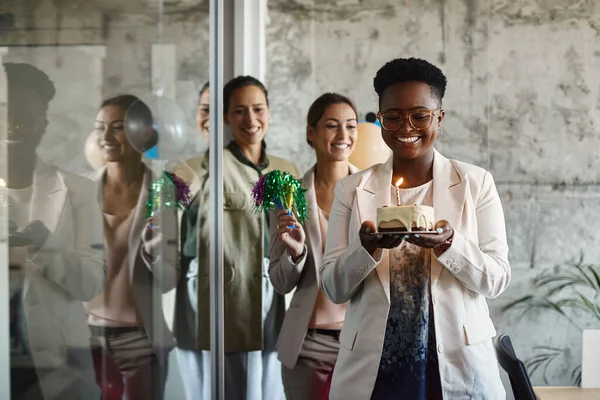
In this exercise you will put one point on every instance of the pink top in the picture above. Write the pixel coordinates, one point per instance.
(326, 315)
(115, 305)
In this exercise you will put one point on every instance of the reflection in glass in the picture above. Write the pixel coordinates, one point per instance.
(55, 252)
(129, 332)
(156, 51)
(194, 363)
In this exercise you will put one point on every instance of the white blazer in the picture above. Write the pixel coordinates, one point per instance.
(302, 276)
(473, 268)
(68, 270)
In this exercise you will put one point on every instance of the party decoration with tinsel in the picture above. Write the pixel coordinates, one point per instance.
(279, 189)
(168, 191)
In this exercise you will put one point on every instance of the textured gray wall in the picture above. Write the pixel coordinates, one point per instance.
(94, 50)
(523, 101)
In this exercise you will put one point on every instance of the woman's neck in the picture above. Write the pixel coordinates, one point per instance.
(414, 172)
(328, 173)
(253, 152)
(124, 173)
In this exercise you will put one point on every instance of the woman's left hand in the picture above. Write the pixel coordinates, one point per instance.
(151, 237)
(432, 240)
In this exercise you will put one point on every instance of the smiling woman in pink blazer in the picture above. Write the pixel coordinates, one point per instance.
(417, 322)
(309, 340)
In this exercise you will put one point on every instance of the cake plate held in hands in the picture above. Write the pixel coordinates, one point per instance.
(409, 233)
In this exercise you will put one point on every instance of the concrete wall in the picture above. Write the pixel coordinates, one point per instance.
(94, 50)
(523, 101)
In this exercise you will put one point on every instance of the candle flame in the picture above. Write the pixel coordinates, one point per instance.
(2, 183)
(399, 182)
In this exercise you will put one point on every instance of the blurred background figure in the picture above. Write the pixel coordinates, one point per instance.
(193, 169)
(93, 153)
(55, 253)
(194, 370)
(370, 147)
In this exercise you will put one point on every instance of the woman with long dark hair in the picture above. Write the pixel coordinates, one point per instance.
(309, 340)
(140, 252)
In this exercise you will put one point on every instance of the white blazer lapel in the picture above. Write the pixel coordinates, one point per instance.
(371, 194)
(311, 225)
(449, 192)
(48, 201)
(49, 196)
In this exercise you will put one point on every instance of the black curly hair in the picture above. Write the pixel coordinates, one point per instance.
(30, 77)
(411, 69)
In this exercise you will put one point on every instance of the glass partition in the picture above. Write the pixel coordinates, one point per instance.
(104, 127)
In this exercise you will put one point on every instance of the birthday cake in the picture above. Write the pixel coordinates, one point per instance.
(405, 218)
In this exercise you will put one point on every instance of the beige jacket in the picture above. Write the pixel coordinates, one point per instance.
(302, 276)
(151, 278)
(243, 231)
(191, 171)
(473, 268)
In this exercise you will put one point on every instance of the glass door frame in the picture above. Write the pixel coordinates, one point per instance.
(237, 47)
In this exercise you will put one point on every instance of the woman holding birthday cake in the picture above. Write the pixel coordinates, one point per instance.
(417, 320)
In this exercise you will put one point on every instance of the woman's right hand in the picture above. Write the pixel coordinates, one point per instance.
(373, 242)
(290, 233)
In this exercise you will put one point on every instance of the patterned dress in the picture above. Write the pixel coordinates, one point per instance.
(409, 366)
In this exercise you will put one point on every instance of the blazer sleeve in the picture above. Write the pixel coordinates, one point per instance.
(483, 267)
(284, 274)
(165, 266)
(345, 263)
(78, 269)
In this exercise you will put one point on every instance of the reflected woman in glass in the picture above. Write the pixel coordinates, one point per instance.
(140, 253)
(253, 311)
(309, 340)
(417, 321)
(55, 256)
(192, 170)
(194, 368)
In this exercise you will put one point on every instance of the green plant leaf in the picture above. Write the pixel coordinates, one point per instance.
(596, 277)
(576, 376)
(541, 361)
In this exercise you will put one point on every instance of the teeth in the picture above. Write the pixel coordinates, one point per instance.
(252, 131)
(408, 140)
(341, 146)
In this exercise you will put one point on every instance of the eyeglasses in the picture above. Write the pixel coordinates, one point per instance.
(32, 124)
(418, 119)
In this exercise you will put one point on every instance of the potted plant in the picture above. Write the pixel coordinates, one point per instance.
(573, 292)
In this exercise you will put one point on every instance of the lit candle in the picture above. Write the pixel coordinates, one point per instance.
(397, 184)
(2, 191)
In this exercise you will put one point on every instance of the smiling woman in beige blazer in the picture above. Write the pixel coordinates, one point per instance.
(417, 324)
(141, 254)
(309, 340)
